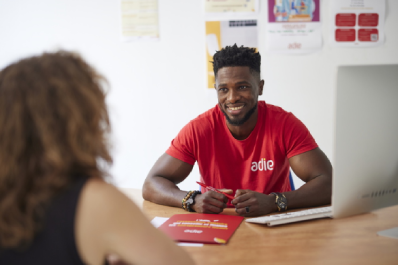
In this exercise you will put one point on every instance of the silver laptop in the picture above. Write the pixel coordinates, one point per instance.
(365, 170)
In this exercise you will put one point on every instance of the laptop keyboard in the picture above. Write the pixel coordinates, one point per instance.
(290, 217)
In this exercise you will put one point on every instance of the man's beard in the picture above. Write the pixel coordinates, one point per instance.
(241, 121)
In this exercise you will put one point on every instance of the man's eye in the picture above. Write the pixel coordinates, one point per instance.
(243, 87)
(222, 89)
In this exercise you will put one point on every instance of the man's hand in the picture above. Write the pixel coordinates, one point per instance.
(251, 203)
(211, 202)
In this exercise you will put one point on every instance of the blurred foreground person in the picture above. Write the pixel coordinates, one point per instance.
(55, 207)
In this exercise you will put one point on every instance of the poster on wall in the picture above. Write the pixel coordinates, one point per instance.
(357, 23)
(227, 33)
(226, 8)
(293, 26)
(139, 20)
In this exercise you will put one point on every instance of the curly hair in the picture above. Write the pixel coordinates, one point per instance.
(237, 56)
(54, 129)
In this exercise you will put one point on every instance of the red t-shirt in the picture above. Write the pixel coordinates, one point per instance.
(259, 163)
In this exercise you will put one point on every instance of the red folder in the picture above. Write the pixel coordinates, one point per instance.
(201, 228)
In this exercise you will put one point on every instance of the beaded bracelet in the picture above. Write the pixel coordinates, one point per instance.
(189, 193)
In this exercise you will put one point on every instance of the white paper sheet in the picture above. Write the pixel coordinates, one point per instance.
(230, 8)
(139, 20)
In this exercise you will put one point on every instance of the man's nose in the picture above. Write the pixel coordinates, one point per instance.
(233, 96)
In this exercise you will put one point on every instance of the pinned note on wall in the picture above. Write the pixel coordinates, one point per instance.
(228, 8)
(294, 26)
(357, 23)
(139, 20)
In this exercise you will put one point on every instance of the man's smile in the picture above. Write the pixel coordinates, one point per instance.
(235, 108)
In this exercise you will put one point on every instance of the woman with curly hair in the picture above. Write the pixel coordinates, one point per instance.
(55, 206)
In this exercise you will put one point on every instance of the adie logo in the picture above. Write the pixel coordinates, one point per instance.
(294, 46)
(263, 165)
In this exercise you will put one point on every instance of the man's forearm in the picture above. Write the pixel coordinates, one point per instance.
(162, 191)
(315, 192)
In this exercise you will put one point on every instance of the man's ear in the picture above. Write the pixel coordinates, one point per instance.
(261, 87)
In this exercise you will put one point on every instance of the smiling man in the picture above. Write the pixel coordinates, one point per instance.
(244, 147)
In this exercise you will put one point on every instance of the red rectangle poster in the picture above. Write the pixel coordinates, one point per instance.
(201, 228)
(368, 20)
(345, 35)
(345, 20)
(368, 34)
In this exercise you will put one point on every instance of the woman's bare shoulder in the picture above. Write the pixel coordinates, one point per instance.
(109, 222)
(101, 209)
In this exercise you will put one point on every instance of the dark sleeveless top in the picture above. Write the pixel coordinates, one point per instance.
(55, 243)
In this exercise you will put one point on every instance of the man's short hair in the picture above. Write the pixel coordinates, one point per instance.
(237, 56)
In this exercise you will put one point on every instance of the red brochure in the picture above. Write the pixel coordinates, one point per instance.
(201, 228)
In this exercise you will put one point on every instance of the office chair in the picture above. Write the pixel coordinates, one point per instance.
(291, 181)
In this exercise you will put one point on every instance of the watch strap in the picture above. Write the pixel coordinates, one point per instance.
(280, 201)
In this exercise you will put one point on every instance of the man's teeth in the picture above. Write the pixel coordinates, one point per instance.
(236, 108)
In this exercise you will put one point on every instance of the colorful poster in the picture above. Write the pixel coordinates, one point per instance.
(357, 23)
(139, 20)
(293, 26)
(226, 33)
(228, 7)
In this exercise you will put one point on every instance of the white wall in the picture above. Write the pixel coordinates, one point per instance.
(157, 87)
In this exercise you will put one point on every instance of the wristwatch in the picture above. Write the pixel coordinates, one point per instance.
(280, 201)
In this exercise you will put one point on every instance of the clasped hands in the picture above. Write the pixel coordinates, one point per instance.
(247, 202)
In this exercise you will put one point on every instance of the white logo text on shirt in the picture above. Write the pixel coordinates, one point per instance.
(262, 165)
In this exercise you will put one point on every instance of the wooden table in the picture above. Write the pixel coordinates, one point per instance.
(351, 240)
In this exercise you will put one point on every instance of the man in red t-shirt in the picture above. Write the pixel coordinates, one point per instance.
(244, 147)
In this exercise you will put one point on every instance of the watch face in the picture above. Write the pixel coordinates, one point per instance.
(282, 202)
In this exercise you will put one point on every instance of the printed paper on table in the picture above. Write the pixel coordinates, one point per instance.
(139, 20)
(293, 26)
(201, 228)
(357, 23)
